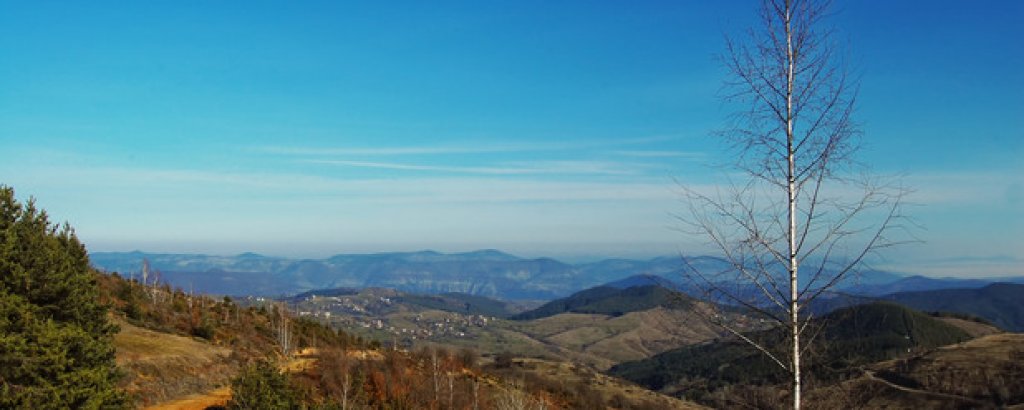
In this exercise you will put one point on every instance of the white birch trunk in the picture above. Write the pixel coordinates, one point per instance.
(794, 307)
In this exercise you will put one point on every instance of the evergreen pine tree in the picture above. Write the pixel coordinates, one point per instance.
(262, 386)
(56, 347)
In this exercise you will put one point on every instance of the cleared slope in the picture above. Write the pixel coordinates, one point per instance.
(982, 373)
(614, 393)
(161, 366)
(613, 339)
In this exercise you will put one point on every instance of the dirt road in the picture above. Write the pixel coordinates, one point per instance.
(302, 361)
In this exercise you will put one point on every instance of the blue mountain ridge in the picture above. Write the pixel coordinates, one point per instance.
(489, 273)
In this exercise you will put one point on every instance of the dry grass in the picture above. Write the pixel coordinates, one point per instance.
(303, 361)
(218, 397)
(602, 341)
(135, 344)
(611, 389)
(982, 373)
(972, 328)
(160, 367)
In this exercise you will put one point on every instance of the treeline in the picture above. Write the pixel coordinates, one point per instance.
(428, 378)
(253, 332)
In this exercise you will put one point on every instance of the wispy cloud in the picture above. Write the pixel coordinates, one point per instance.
(534, 168)
(662, 154)
(476, 148)
(967, 188)
(163, 184)
(393, 151)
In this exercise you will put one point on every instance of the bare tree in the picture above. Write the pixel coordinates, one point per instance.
(145, 271)
(434, 372)
(284, 330)
(336, 368)
(803, 217)
(476, 392)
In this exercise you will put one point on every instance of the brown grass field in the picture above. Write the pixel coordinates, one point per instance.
(161, 367)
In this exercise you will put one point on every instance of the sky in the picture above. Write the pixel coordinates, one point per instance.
(559, 129)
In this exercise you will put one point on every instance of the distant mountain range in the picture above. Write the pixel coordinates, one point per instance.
(488, 273)
(917, 283)
(1002, 304)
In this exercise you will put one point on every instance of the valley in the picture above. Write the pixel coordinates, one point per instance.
(642, 328)
(637, 329)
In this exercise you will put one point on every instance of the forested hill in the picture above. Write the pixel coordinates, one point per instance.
(611, 301)
(848, 338)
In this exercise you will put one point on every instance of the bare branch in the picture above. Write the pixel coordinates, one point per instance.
(795, 140)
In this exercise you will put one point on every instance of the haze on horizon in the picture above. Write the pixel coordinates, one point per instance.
(538, 129)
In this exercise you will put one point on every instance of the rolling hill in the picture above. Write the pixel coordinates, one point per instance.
(598, 327)
(848, 338)
(981, 373)
(612, 301)
(460, 303)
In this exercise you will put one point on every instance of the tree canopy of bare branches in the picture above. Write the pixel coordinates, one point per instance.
(803, 216)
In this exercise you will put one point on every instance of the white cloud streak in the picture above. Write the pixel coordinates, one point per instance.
(535, 168)
(474, 148)
(663, 154)
(966, 188)
(161, 183)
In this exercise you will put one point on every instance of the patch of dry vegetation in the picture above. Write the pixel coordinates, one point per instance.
(984, 372)
(601, 341)
(174, 344)
(581, 387)
(160, 366)
(973, 328)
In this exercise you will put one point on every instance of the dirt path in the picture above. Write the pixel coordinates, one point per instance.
(871, 375)
(302, 361)
(218, 397)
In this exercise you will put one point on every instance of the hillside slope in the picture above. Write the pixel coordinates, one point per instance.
(161, 366)
(849, 337)
(173, 344)
(603, 340)
(613, 301)
(613, 393)
(981, 373)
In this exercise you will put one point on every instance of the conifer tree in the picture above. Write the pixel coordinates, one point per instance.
(262, 386)
(56, 347)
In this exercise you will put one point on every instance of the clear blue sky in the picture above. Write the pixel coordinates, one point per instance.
(540, 128)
